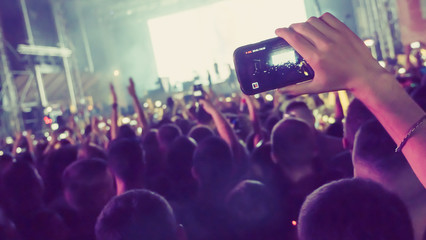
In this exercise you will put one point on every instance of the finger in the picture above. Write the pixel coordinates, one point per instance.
(323, 27)
(314, 36)
(301, 88)
(297, 41)
(348, 34)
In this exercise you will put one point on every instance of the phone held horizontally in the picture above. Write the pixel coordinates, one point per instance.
(269, 65)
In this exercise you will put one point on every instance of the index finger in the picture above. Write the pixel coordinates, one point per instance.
(297, 41)
(335, 23)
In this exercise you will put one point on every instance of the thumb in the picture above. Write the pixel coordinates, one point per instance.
(300, 88)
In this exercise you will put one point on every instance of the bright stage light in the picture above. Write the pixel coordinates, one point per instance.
(269, 97)
(116, 73)
(402, 70)
(55, 126)
(188, 43)
(415, 45)
(369, 42)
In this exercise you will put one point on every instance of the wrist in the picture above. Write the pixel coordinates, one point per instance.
(374, 84)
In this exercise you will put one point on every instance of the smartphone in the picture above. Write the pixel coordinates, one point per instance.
(269, 65)
(198, 92)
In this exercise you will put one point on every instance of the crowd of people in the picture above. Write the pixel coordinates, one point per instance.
(247, 169)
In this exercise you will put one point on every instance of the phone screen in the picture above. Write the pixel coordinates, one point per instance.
(198, 91)
(268, 65)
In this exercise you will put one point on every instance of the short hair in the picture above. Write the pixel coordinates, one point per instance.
(179, 157)
(374, 147)
(136, 215)
(200, 132)
(126, 160)
(292, 137)
(357, 115)
(89, 183)
(167, 133)
(354, 209)
(248, 202)
(213, 161)
(55, 164)
(22, 187)
(295, 105)
(126, 131)
(87, 151)
(307, 114)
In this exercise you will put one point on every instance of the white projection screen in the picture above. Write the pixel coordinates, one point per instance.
(188, 43)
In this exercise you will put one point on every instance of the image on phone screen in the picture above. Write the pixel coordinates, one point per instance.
(269, 65)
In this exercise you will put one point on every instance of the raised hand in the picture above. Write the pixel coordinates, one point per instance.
(339, 58)
(113, 94)
(131, 88)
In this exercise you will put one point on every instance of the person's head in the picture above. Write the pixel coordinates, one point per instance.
(184, 124)
(212, 162)
(374, 158)
(126, 162)
(179, 157)
(299, 109)
(54, 166)
(353, 209)
(22, 187)
(167, 133)
(137, 215)
(262, 166)
(251, 210)
(87, 151)
(293, 143)
(88, 185)
(126, 131)
(200, 132)
(357, 115)
(7, 228)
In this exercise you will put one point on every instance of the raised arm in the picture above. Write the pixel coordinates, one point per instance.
(29, 138)
(225, 130)
(114, 113)
(342, 61)
(18, 137)
(258, 134)
(137, 105)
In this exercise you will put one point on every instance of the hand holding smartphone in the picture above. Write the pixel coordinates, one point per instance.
(198, 92)
(269, 65)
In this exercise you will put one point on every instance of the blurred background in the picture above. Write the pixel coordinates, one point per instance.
(59, 56)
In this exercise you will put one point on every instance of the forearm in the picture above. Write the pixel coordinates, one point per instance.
(30, 144)
(224, 128)
(338, 109)
(227, 133)
(397, 112)
(255, 122)
(114, 121)
(139, 111)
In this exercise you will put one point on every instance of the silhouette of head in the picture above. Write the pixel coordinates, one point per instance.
(88, 185)
(293, 143)
(136, 215)
(213, 162)
(354, 209)
(126, 161)
(200, 132)
(357, 115)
